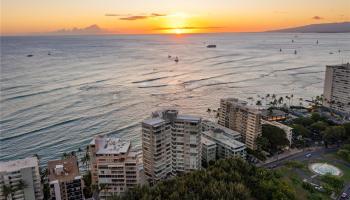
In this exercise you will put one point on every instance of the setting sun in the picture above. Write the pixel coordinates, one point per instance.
(178, 31)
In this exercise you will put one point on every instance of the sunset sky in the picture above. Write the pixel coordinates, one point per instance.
(165, 16)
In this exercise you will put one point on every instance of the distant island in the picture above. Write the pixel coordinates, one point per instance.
(343, 27)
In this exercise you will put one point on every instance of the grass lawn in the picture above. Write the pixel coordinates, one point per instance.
(295, 172)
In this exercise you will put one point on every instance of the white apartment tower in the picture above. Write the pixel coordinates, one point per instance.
(239, 116)
(114, 165)
(171, 144)
(22, 177)
(337, 88)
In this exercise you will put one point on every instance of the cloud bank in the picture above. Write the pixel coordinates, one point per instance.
(90, 30)
(317, 17)
(135, 17)
(188, 28)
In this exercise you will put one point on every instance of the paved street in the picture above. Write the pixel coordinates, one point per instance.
(301, 156)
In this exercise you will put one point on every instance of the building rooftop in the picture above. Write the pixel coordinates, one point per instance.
(274, 112)
(63, 170)
(219, 128)
(15, 165)
(222, 138)
(154, 121)
(341, 66)
(242, 104)
(105, 145)
(166, 115)
(207, 142)
(189, 118)
(274, 123)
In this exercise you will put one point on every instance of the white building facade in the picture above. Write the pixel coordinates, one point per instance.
(171, 144)
(337, 88)
(23, 171)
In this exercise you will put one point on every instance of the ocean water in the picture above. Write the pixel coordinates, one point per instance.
(92, 85)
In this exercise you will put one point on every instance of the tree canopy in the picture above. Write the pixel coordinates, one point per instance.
(275, 137)
(227, 179)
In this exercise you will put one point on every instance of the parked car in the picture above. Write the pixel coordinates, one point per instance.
(344, 196)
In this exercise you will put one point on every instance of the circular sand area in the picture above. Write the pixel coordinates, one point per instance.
(324, 168)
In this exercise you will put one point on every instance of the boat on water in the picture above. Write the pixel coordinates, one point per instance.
(29, 55)
(211, 46)
(176, 59)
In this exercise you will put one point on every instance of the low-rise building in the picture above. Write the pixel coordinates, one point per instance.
(274, 115)
(113, 165)
(210, 125)
(64, 179)
(22, 177)
(208, 150)
(287, 129)
(225, 146)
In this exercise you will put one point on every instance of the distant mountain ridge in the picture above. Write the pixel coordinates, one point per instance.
(92, 29)
(343, 27)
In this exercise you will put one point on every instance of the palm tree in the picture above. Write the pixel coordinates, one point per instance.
(287, 97)
(21, 185)
(301, 101)
(273, 96)
(64, 155)
(103, 187)
(85, 160)
(258, 103)
(280, 101)
(7, 191)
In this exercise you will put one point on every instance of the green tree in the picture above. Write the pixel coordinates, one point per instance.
(333, 134)
(347, 129)
(305, 121)
(319, 126)
(7, 191)
(262, 143)
(301, 130)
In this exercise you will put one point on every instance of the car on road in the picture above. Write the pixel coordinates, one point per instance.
(344, 196)
(308, 155)
(273, 166)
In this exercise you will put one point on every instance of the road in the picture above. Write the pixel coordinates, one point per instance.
(316, 153)
(346, 190)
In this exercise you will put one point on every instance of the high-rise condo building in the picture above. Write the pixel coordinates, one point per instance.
(22, 178)
(65, 180)
(171, 144)
(337, 88)
(239, 116)
(114, 166)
